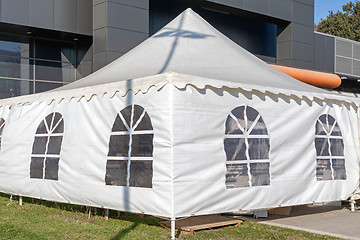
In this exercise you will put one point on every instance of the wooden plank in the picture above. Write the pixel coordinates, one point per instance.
(281, 211)
(191, 224)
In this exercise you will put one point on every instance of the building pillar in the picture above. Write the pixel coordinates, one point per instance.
(118, 26)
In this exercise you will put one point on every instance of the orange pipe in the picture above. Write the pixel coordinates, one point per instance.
(317, 79)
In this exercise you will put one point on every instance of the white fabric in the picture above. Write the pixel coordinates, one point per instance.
(189, 45)
(189, 157)
(188, 111)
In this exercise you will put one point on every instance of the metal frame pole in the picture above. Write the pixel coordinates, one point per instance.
(173, 229)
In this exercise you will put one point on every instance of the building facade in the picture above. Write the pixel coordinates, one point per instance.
(45, 44)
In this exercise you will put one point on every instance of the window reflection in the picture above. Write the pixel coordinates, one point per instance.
(14, 88)
(46, 86)
(29, 65)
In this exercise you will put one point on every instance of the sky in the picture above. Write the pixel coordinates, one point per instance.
(322, 7)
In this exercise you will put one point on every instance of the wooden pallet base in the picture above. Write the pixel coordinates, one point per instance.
(191, 224)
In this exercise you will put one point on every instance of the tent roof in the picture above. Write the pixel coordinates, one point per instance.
(187, 51)
(189, 45)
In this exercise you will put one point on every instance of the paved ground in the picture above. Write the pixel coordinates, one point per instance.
(328, 220)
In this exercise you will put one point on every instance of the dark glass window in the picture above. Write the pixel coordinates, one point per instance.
(54, 51)
(130, 154)
(2, 125)
(46, 148)
(329, 146)
(31, 65)
(255, 35)
(247, 149)
(13, 88)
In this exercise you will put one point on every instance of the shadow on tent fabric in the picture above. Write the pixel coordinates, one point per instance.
(178, 33)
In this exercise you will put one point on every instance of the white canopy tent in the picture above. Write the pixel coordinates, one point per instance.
(187, 123)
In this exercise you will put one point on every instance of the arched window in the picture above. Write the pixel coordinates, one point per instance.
(130, 154)
(46, 148)
(247, 149)
(2, 125)
(329, 147)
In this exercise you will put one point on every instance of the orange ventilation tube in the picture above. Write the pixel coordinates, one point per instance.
(317, 79)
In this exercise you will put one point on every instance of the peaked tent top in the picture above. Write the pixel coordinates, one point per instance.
(189, 45)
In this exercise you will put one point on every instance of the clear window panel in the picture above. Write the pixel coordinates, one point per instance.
(49, 119)
(331, 120)
(232, 126)
(239, 113)
(237, 176)
(51, 168)
(337, 147)
(42, 128)
(142, 145)
(235, 149)
(126, 113)
(322, 147)
(36, 167)
(144, 124)
(54, 71)
(13, 88)
(319, 130)
(323, 118)
(138, 111)
(339, 169)
(141, 173)
(259, 128)
(260, 175)
(336, 131)
(323, 169)
(60, 127)
(57, 117)
(116, 172)
(118, 125)
(46, 86)
(259, 148)
(251, 115)
(119, 146)
(54, 145)
(39, 146)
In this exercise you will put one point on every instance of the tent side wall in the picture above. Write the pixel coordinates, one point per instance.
(88, 173)
(294, 171)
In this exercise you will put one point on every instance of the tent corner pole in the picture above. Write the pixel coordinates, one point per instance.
(173, 229)
(352, 205)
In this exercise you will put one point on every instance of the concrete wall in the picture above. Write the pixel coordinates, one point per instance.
(324, 53)
(73, 16)
(296, 41)
(119, 25)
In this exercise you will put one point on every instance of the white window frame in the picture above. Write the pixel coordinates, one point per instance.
(246, 135)
(131, 130)
(50, 133)
(328, 137)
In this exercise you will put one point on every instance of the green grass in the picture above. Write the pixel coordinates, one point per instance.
(46, 220)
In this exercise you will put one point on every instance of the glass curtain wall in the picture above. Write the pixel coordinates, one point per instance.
(30, 65)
